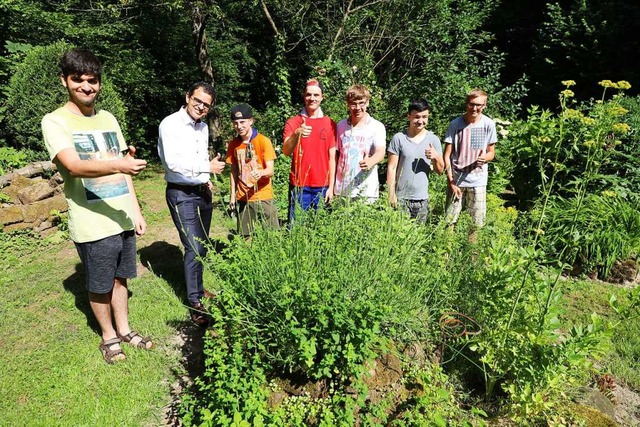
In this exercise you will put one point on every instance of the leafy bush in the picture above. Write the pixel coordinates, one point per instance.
(309, 313)
(504, 333)
(10, 159)
(586, 150)
(568, 152)
(608, 230)
(35, 90)
(318, 303)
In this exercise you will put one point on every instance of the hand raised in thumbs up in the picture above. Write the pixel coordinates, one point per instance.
(365, 162)
(431, 152)
(216, 165)
(304, 130)
(130, 165)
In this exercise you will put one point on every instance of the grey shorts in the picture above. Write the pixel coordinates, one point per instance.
(418, 209)
(106, 259)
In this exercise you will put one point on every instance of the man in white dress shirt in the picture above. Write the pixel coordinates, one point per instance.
(183, 146)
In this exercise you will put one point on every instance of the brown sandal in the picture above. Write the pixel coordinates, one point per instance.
(141, 344)
(111, 356)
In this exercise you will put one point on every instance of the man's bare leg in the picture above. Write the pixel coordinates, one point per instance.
(101, 307)
(120, 307)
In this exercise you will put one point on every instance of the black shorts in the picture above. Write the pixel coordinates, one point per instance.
(108, 258)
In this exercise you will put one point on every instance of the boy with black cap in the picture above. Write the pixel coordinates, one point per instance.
(251, 157)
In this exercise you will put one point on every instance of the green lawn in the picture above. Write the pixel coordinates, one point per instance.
(51, 370)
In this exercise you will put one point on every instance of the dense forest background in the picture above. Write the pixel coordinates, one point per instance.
(261, 52)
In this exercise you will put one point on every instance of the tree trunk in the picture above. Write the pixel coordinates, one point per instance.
(200, 11)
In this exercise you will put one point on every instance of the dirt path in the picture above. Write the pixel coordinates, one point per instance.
(161, 255)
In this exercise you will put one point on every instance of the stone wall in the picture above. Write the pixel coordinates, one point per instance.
(31, 199)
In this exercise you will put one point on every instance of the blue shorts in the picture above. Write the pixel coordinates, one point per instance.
(108, 258)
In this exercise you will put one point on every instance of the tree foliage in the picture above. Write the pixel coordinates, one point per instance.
(35, 90)
(262, 51)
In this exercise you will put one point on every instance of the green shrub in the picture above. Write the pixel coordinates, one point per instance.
(35, 90)
(608, 230)
(578, 149)
(317, 298)
(318, 303)
(10, 159)
(504, 329)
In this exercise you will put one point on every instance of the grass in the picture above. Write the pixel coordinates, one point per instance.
(584, 297)
(52, 373)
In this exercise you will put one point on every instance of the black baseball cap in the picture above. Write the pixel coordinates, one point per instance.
(241, 111)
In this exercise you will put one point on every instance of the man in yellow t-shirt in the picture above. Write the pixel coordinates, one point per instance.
(89, 150)
(251, 157)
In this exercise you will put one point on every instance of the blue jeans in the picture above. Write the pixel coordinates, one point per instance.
(306, 198)
(191, 213)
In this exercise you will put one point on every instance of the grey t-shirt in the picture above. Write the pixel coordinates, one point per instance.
(412, 174)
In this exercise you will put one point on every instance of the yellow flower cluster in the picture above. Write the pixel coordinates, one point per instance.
(568, 93)
(618, 110)
(570, 113)
(622, 84)
(568, 83)
(621, 128)
(609, 193)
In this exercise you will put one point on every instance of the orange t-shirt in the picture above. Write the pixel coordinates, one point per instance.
(248, 157)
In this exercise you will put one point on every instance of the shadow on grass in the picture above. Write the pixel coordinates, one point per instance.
(192, 340)
(75, 284)
(165, 261)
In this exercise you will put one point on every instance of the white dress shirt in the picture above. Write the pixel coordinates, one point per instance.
(183, 146)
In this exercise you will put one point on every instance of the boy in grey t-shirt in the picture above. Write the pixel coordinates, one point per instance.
(413, 154)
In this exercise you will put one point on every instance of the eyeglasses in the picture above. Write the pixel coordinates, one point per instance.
(473, 104)
(357, 104)
(199, 103)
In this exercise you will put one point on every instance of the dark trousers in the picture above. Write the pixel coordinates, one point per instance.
(191, 210)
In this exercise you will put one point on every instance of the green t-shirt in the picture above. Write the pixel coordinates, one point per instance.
(98, 207)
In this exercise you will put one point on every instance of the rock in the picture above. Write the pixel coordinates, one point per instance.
(17, 183)
(17, 227)
(48, 232)
(623, 272)
(34, 193)
(385, 370)
(10, 215)
(592, 417)
(43, 208)
(276, 398)
(44, 225)
(56, 180)
(595, 399)
(31, 200)
(627, 409)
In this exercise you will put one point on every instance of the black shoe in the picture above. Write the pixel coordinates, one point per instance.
(199, 315)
